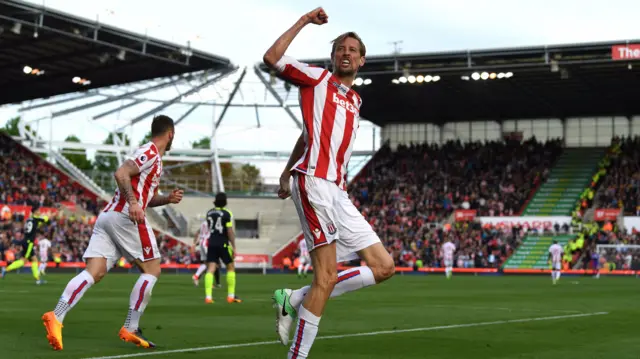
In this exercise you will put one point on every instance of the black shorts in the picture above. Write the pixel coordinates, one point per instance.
(27, 250)
(216, 253)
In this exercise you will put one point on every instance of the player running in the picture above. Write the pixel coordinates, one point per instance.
(30, 231)
(222, 246)
(555, 259)
(304, 259)
(200, 244)
(43, 248)
(448, 249)
(122, 230)
(333, 227)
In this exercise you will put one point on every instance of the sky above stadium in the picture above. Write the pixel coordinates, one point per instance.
(243, 29)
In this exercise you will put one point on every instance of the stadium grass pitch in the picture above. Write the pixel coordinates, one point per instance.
(407, 317)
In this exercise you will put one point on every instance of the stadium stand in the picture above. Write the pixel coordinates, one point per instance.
(27, 179)
(409, 190)
(621, 185)
(28, 183)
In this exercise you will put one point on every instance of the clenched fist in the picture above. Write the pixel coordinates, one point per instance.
(316, 16)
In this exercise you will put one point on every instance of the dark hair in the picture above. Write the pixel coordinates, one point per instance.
(221, 200)
(160, 125)
(351, 34)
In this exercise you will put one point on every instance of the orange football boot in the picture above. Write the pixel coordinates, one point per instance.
(136, 338)
(54, 330)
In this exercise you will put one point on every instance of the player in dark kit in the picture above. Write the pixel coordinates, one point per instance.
(222, 247)
(30, 230)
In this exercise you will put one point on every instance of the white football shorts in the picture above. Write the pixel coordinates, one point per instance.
(115, 236)
(327, 214)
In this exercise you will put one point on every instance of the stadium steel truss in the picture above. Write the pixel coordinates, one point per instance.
(62, 65)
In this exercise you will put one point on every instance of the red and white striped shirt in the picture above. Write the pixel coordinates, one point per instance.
(144, 184)
(447, 251)
(204, 234)
(331, 114)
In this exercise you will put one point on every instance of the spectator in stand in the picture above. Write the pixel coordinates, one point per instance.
(621, 186)
(405, 192)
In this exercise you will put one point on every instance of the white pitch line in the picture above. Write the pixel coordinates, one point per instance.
(341, 336)
(507, 309)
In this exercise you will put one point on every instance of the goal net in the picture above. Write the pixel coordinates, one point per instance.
(617, 257)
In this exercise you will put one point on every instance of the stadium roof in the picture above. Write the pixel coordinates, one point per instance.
(544, 82)
(65, 47)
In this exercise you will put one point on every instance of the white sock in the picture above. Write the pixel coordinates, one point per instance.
(41, 267)
(306, 268)
(306, 332)
(202, 268)
(140, 297)
(72, 293)
(558, 275)
(348, 281)
(449, 271)
(299, 269)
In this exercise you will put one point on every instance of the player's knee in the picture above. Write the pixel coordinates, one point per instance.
(97, 268)
(384, 270)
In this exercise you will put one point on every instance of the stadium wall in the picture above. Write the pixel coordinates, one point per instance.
(578, 132)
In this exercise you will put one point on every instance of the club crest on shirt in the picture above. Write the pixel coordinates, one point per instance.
(331, 228)
(142, 159)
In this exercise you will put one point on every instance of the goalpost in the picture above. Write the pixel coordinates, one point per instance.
(619, 257)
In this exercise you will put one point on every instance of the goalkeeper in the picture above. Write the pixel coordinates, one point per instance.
(30, 229)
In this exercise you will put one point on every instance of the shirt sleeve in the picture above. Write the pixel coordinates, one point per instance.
(229, 223)
(144, 158)
(299, 73)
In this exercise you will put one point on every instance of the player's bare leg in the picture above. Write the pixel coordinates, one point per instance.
(208, 282)
(94, 272)
(379, 268)
(140, 297)
(325, 277)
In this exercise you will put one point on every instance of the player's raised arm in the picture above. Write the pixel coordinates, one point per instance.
(292, 70)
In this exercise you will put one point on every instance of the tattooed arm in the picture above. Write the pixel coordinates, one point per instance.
(123, 179)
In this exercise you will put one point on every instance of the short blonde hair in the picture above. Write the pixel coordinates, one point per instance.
(351, 34)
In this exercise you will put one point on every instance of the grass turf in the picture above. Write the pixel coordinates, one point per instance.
(177, 318)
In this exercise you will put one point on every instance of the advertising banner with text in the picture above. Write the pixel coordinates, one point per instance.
(464, 215)
(10, 210)
(606, 214)
(625, 52)
(536, 223)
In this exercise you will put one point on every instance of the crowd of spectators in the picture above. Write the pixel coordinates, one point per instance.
(620, 257)
(476, 246)
(404, 192)
(26, 180)
(621, 185)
